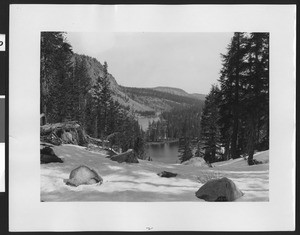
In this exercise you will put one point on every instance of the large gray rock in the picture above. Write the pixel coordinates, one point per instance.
(83, 175)
(216, 190)
(128, 157)
(48, 156)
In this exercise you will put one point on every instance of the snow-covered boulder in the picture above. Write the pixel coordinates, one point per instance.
(222, 189)
(83, 175)
(128, 157)
(196, 161)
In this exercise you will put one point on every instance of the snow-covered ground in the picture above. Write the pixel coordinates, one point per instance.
(140, 182)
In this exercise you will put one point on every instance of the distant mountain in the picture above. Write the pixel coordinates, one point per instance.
(144, 101)
(159, 100)
(180, 92)
(199, 96)
(171, 90)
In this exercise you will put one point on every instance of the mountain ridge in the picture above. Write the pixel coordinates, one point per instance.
(179, 91)
(140, 100)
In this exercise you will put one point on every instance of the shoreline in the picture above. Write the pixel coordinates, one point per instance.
(162, 142)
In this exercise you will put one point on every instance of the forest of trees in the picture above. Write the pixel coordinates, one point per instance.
(68, 94)
(176, 123)
(236, 113)
(181, 123)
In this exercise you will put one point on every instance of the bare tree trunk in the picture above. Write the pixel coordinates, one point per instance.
(227, 152)
(96, 127)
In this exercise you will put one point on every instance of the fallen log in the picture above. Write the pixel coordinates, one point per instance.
(64, 133)
(96, 141)
(128, 157)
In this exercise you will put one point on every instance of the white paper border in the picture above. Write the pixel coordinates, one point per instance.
(26, 213)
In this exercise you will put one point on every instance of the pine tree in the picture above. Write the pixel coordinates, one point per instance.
(198, 150)
(56, 70)
(105, 98)
(244, 103)
(256, 90)
(231, 75)
(81, 85)
(94, 107)
(185, 151)
(210, 131)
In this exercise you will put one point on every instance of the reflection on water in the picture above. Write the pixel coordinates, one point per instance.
(167, 152)
(144, 121)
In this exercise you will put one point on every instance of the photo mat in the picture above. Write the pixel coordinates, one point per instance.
(178, 19)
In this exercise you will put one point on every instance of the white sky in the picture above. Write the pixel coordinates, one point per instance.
(190, 61)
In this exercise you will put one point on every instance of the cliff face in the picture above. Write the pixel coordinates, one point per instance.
(140, 99)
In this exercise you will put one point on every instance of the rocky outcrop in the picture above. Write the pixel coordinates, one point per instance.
(167, 174)
(83, 175)
(216, 190)
(48, 156)
(128, 157)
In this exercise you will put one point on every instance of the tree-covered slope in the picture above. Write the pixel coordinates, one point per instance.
(140, 100)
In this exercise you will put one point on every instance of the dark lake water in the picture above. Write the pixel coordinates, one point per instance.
(165, 152)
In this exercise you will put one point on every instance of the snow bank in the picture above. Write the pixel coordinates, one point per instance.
(140, 182)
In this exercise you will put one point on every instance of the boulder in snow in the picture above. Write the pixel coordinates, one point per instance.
(83, 175)
(128, 157)
(167, 174)
(216, 190)
(48, 156)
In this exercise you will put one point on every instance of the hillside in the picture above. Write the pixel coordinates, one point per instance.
(159, 100)
(199, 96)
(171, 90)
(141, 100)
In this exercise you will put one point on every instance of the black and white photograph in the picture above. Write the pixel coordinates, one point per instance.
(151, 118)
(158, 116)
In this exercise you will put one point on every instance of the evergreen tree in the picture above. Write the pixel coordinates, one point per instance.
(198, 150)
(56, 71)
(210, 132)
(231, 73)
(94, 106)
(256, 91)
(185, 151)
(139, 146)
(244, 103)
(105, 100)
(80, 87)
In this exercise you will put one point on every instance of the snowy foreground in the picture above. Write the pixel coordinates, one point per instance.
(140, 182)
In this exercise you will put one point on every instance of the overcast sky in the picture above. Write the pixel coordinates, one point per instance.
(190, 61)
